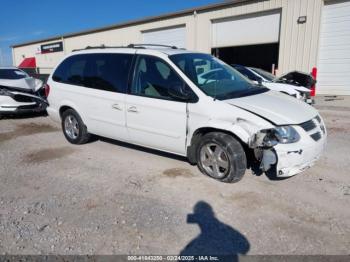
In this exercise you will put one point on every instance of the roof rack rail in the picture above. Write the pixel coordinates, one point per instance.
(98, 47)
(128, 46)
(156, 45)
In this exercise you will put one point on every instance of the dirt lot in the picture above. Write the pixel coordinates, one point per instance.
(110, 198)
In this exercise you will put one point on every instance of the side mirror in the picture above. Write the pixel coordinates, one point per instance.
(259, 80)
(179, 91)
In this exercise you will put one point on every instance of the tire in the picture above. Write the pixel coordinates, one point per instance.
(77, 132)
(221, 157)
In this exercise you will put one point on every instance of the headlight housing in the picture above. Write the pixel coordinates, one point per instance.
(279, 134)
(286, 134)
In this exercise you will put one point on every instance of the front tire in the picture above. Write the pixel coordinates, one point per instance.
(74, 128)
(221, 157)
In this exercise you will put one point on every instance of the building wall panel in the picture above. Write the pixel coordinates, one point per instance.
(298, 42)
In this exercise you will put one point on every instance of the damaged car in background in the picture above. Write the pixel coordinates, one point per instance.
(295, 83)
(164, 100)
(20, 93)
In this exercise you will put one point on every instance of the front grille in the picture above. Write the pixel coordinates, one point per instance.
(23, 99)
(309, 125)
(316, 136)
(314, 125)
(318, 118)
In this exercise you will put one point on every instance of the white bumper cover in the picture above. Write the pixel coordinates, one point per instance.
(295, 158)
(290, 163)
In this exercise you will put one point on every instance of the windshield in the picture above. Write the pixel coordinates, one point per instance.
(12, 74)
(246, 72)
(268, 76)
(214, 77)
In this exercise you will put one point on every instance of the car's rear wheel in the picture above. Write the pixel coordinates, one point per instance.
(221, 157)
(74, 128)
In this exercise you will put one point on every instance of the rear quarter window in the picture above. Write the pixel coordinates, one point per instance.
(107, 72)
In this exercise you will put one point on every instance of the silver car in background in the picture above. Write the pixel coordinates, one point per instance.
(20, 92)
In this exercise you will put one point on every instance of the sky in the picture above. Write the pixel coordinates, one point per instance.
(26, 20)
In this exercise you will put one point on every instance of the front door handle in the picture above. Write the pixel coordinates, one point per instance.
(117, 106)
(132, 109)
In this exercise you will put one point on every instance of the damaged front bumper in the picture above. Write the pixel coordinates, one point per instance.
(285, 160)
(12, 101)
(292, 160)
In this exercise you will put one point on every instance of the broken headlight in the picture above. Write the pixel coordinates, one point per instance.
(286, 134)
(280, 134)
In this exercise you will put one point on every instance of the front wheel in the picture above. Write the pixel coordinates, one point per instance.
(221, 157)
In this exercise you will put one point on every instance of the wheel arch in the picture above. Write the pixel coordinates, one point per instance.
(65, 105)
(240, 135)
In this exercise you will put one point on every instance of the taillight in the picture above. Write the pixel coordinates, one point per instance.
(313, 87)
(47, 90)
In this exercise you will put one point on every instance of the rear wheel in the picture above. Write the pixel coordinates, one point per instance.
(221, 157)
(73, 127)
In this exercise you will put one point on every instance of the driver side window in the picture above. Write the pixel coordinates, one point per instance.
(153, 78)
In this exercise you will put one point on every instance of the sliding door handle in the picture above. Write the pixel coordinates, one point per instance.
(117, 107)
(132, 109)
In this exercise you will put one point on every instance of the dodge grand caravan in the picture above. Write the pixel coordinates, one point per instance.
(155, 97)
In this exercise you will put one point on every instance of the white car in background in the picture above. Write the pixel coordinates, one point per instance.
(267, 79)
(20, 92)
(158, 98)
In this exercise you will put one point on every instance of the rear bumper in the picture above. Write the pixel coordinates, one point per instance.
(53, 114)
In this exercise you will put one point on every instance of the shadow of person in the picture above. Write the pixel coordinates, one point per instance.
(215, 238)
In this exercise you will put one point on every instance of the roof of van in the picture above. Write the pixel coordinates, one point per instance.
(165, 50)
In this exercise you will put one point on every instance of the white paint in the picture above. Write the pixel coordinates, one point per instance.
(258, 29)
(26, 86)
(169, 126)
(171, 36)
(334, 52)
(291, 90)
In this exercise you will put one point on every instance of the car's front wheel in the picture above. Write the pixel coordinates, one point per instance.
(74, 128)
(221, 157)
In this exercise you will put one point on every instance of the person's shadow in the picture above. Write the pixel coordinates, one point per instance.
(215, 238)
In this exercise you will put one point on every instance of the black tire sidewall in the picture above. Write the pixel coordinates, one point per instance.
(234, 151)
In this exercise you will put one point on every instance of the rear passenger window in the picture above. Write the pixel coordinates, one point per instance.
(71, 70)
(107, 72)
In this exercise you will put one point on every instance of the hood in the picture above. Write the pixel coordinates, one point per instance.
(290, 89)
(24, 84)
(276, 107)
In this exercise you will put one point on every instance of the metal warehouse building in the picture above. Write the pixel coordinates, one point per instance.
(283, 34)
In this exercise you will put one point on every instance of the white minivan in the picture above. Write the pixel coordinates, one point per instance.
(154, 97)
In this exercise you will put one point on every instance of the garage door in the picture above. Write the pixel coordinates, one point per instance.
(171, 36)
(334, 51)
(246, 30)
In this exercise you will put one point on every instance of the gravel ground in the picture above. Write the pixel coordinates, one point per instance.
(111, 198)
